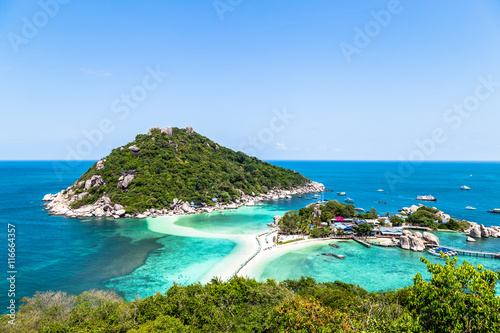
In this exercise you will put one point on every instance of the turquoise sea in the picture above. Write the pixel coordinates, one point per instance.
(73, 255)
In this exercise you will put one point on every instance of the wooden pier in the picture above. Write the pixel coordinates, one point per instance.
(467, 253)
(362, 242)
(413, 227)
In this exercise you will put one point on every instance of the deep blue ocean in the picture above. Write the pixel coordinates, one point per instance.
(73, 255)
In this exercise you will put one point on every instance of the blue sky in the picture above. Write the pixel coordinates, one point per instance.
(420, 80)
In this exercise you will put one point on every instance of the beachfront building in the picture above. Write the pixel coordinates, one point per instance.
(340, 226)
(384, 231)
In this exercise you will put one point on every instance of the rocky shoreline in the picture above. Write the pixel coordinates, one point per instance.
(59, 204)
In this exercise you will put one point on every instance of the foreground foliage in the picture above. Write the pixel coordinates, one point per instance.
(457, 299)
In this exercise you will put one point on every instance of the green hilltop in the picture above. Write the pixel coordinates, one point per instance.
(169, 163)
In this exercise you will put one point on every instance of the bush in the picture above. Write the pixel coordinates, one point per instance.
(306, 315)
(457, 299)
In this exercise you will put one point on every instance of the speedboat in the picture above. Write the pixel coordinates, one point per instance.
(359, 209)
(465, 188)
(426, 198)
(341, 193)
(470, 208)
(495, 210)
(380, 190)
(448, 252)
(349, 200)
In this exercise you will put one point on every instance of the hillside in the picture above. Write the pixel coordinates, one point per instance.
(169, 167)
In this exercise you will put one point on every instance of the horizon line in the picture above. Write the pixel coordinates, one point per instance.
(276, 160)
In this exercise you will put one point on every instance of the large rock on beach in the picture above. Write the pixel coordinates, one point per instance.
(412, 241)
(431, 239)
(120, 212)
(48, 197)
(404, 242)
(417, 245)
(485, 232)
(475, 231)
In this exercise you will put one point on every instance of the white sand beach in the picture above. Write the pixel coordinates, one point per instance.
(255, 266)
(246, 245)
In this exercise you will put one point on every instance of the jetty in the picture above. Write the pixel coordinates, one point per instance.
(413, 227)
(478, 254)
(384, 245)
(366, 244)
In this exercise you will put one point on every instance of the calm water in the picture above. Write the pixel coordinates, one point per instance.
(57, 253)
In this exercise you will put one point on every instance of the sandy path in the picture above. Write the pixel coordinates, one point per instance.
(246, 245)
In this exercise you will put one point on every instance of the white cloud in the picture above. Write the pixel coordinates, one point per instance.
(89, 71)
(281, 146)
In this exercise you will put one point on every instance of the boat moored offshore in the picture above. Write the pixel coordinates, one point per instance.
(465, 188)
(341, 193)
(426, 198)
(470, 208)
(349, 200)
(494, 210)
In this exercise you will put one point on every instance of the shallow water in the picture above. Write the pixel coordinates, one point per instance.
(374, 268)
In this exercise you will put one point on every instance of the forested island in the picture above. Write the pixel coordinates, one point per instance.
(174, 171)
(456, 299)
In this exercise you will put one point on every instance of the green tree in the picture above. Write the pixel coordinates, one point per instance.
(396, 220)
(457, 299)
(453, 225)
(364, 228)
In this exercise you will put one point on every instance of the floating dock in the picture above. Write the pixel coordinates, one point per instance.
(468, 253)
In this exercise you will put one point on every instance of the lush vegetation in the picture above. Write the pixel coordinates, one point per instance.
(456, 299)
(307, 220)
(301, 221)
(189, 167)
(426, 216)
